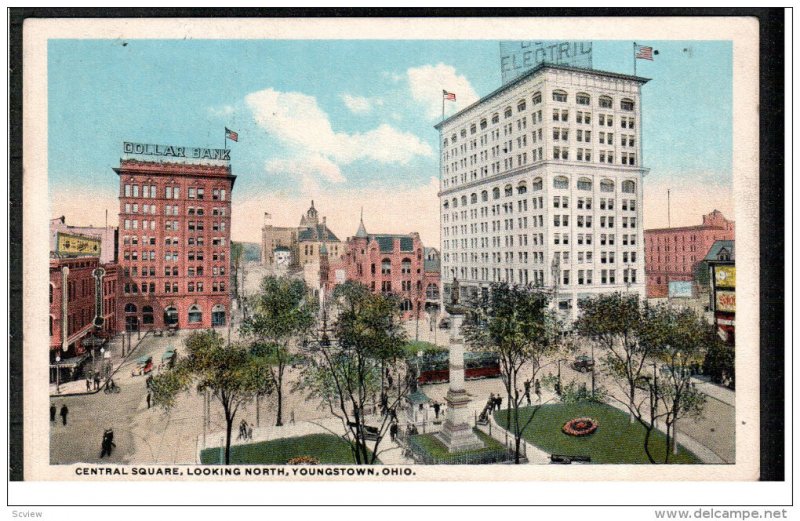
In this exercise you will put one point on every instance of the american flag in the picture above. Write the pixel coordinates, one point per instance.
(230, 134)
(644, 53)
(451, 96)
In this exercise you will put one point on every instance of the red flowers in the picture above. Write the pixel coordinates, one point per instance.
(580, 427)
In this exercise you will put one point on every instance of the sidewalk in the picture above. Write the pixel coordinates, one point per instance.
(78, 387)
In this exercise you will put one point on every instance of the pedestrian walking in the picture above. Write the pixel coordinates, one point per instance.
(389, 380)
(490, 403)
(393, 413)
(63, 413)
(393, 431)
(149, 397)
(499, 402)
(436, 407)
(88, 384)
(96, 382)
(537, 388)
(291, 417)
(528, 391)
(249, 432)
(242, 430)
(52, 413)
(108, 443)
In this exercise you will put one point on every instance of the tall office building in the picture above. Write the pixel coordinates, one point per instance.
(541, 183)
(174, 237)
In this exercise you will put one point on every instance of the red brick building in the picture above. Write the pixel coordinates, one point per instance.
(174, 239)
(393, 264)
(671, 254)
(79, 310)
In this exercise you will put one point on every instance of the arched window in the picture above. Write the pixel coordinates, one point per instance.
(463, 200)
(170, 315)
(606, 185)
(583, 98)
(507, 113)
(473, 198)
(386, 266)
(495, 193)
(473, 129)
(455, 202)
(445, 142)
(606, 102)
(484, 196)
(405, 266)
(51, 293)
(218, 315)
(629, 187)
(560, 182)
(522, 188)
(130, 308)
(406, 305)
(495, 118)
(463, 132)
(584, 183)
(521, 105)
(483, 123)
(537, 184)
(626, 104)
(559, 95)
(195, 315)
(537, 98)
(446, 205)
(509, 190)
(432, 292)
(147, 314)
(453, 138)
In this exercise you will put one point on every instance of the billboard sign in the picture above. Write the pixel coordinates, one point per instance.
(725, 276)
(680, 289)
(726, 301)
(517, 58)
(72, 244)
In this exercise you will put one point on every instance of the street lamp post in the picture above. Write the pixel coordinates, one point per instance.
(58, 386)
(593, 364)
(558, 384)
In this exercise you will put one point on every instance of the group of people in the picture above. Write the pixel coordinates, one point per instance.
(107, 444)
(245, 431)
(93, 383)
(64, 412)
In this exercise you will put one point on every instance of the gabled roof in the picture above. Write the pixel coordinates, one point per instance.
(718, 247)
(316, 233)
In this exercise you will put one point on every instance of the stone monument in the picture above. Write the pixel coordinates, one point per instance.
(457, 432)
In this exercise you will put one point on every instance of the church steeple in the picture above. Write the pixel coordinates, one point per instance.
(362, 231)
(311, 217)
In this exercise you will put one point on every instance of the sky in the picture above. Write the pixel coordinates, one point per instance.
(349, 123)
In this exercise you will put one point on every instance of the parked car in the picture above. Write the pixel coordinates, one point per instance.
(583, 363)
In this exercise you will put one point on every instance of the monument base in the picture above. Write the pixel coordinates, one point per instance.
(456, 433)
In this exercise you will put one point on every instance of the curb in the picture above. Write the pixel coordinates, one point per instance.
(124, 359)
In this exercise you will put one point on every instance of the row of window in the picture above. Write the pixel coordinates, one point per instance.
(171, 271)
(538, 240)
(132, 288)
(131, 208)
(560, 96)
(584, 277)
(172, 192)
(559, 182)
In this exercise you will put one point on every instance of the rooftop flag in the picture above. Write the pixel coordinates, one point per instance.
(230, 134)
(450, 96)
(644, 52)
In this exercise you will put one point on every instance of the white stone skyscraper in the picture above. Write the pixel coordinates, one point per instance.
(541, 183)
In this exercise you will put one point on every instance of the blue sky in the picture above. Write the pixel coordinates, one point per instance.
(346, 122)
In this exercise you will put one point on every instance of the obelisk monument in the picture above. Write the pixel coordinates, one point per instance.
(457, 432)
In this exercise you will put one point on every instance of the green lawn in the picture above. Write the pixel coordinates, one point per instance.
(328, 449)
(616, 440)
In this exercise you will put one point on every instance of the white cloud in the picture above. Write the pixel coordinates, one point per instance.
(313, 166)
(297, 122)
(360, 104)
(222, 111)
(392, 76)
(427, 83)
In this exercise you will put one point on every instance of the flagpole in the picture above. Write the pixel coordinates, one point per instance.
(226, 139)
(634, 58)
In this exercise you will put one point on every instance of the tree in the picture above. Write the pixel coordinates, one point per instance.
(229, 372)
(679, 338)
(283, 317)
(516, 324)
(347, 374)
(614, 321)
(719, 363)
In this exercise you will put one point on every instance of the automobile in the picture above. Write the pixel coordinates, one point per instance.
(583, 363)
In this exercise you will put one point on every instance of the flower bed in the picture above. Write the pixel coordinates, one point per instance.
(580, 427)
(303, 460)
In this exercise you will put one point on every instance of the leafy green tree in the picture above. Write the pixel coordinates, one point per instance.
(347, 374)
(679, 338)
(614, 322)
(720, 362)
(515, 323)
(229, 372)
(282, 319)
